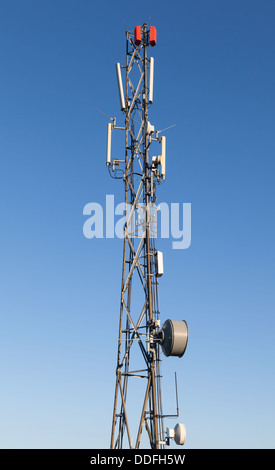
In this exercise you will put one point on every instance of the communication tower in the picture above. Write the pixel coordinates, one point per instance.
(141, 339)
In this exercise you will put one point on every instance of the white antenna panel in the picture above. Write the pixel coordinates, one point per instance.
(120, 87)
(163, 156)
(159, 263)
(150, 128)
(109, 135)
(151, 82)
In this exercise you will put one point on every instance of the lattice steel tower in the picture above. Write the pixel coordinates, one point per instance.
(141, 341)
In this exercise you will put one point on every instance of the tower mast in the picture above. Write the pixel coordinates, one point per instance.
(139, 323)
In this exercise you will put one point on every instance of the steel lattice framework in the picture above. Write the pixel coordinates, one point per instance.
(139, 352)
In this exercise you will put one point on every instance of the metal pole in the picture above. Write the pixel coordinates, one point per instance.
(148, 253)
(118, 370)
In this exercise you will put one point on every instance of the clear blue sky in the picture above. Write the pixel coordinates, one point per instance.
(59, 292)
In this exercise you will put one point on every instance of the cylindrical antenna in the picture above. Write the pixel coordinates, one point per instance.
(151, 83)
(109, 134)
(163, 156)
(120, 87)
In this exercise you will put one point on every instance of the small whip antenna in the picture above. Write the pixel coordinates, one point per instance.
(99, 110)
(159, 132)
